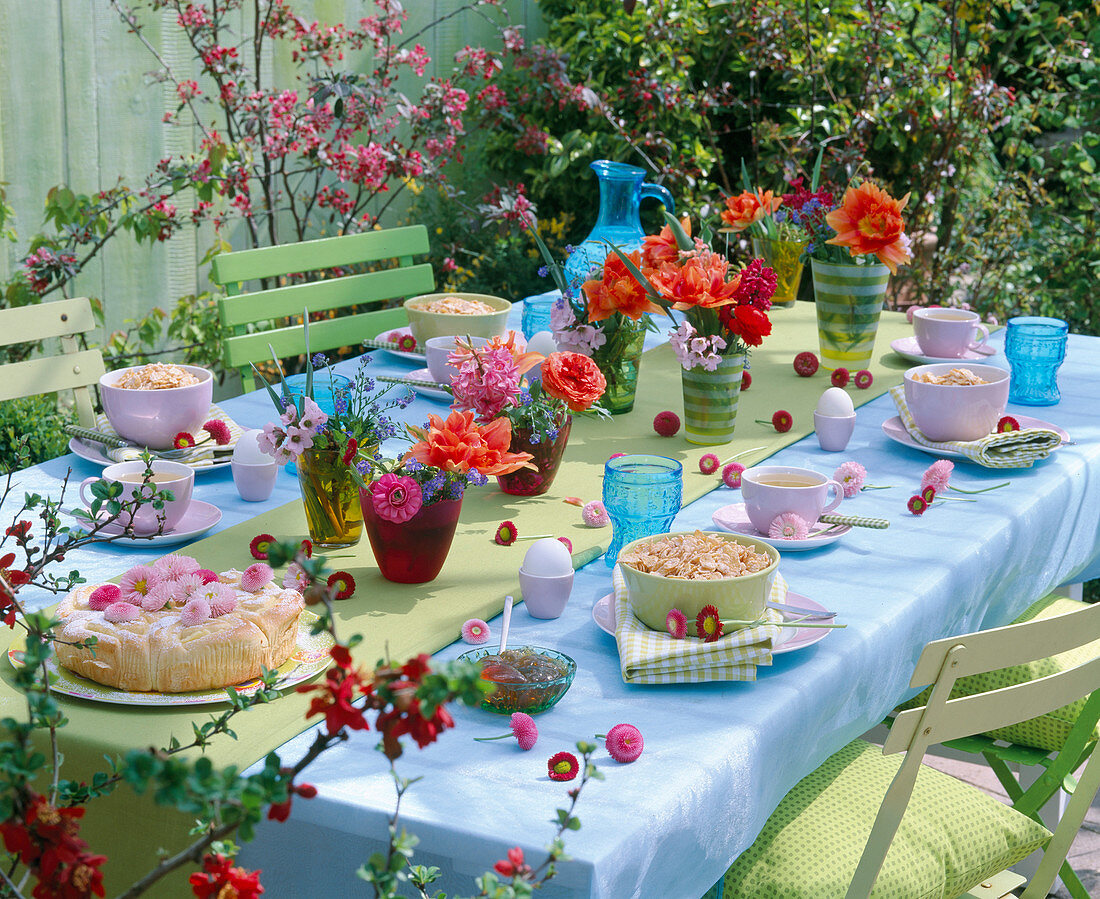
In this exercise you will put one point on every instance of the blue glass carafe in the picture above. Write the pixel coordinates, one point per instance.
(622, 189)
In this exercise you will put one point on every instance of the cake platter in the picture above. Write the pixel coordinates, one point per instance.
(310, 657)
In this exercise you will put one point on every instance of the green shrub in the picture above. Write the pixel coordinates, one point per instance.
(37, 422)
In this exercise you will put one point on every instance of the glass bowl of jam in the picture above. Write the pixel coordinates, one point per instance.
(528, 679)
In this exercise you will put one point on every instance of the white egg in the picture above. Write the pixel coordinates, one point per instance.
(547, 557)
(248, 450)
(835, 403)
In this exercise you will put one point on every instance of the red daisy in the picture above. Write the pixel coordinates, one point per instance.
(567, 542)
(806, 364)
(1006, 424)
(917, 505)
(260, 545)
(506, 533)
(840, 378)
(350, 451)
(666, 423)
(782, 421)
(708, 624)
(406, 343)
(708, 463)
(864, 379)
(746, 380)
(562, 766)
(928, 493)
(218, 431)
(183, 440)
(343, 583)
(307, 548)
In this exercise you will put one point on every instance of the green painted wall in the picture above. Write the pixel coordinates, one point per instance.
(77, 107)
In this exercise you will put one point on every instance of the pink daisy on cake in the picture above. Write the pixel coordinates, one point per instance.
(103, 596)
(137, 582)
(218, 598)
(173, 567)
(256, 576)
(119, 612)
(162, 594)
(195, 612)
(190, 582)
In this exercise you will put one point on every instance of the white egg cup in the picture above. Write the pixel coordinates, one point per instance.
(254, 480)
(834, 431)
(545, 597)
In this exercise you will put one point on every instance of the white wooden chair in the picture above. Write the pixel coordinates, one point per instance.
(805, 819)
(74, 369)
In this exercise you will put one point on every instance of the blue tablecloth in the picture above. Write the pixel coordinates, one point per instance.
(718, 757)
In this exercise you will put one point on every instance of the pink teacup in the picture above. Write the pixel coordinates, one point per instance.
(771, 490)
(179, 479)
(948, 333)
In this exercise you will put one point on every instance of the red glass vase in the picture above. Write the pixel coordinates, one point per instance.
(547, 456)
(413, 551)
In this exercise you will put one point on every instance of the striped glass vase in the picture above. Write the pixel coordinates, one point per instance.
(849, 302)
(710, 401)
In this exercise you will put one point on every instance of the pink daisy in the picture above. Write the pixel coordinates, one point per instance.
(103, 596)
(174, 567)
(295, 578)
(118, 612)
(195, 612)
(708, 463)
(938, 474)
(731, 475)
(676, 622)
(190, 582)
(789, 526)
(162, 594)
(256, 576)
(595, 515)
(218, 430)
(567, 543)
(224, 604)
(624, 743)
(525, 730)
(851, 476)
(137, 582)
(475, 631)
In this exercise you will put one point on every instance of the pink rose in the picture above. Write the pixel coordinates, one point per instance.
(396, 499)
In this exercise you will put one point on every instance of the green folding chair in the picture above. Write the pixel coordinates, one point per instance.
(242, 311)
(1051, 747)
(932, 835)
(75, 369)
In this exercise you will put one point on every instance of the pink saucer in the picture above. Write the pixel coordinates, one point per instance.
(735, 519)
(199, 518)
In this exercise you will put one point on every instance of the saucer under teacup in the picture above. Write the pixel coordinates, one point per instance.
(735, 519)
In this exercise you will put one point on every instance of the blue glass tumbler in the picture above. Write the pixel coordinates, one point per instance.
(536, 314)
(642, 494)
(324, 384)
(1035, 347)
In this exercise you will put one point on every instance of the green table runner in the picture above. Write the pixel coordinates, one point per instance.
(477, 575)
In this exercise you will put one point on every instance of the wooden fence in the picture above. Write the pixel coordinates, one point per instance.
(77, 108)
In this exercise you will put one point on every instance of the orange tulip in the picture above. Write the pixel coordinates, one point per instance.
(617, 291)
(749, 207)
(460, 444)
(869, 221)
(661, 248)
(700, 281)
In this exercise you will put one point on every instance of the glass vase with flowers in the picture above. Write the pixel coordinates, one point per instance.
(411, 504)
(725, 313)
(325, 448)
(849, 287)
(490, 383)
(605, 320)
(775, 226)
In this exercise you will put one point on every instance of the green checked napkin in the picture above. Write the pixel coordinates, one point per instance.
(655, 657)
(201, 457)
(1012, 449)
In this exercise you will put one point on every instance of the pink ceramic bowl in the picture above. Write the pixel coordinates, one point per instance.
(957, 412)
(153, 418)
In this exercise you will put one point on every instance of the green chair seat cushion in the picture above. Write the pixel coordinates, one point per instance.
(951, 838)
(1048, 731)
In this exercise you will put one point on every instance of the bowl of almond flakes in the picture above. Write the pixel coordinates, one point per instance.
(457, 314)
(688, 571)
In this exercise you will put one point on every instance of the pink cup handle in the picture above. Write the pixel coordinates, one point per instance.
(83, 485)
(985, 336)
(838, 495)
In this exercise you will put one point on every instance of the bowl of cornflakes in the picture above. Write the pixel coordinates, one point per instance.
(150, 404)
(956, 401)
(461, 314)
(690, 570)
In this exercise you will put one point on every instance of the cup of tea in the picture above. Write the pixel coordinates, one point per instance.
(171, 476)
(772, 490)
(948, 333)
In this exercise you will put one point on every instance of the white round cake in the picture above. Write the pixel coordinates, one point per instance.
(202, 636)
